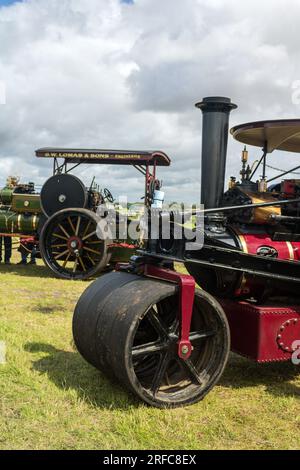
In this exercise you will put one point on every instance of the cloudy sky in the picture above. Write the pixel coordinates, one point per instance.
(126, 74)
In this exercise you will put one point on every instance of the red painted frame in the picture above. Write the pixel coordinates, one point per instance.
(261, 333)
(186, 285)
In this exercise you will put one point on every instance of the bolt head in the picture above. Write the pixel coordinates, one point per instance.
(184, 350)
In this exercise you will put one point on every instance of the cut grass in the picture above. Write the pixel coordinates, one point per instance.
(52, 399)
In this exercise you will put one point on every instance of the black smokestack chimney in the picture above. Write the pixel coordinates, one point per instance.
(215, 129)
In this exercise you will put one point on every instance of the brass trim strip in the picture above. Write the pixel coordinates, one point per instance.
(242, 240)
(291, 250)
(243, 243)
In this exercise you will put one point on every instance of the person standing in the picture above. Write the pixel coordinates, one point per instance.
(7, 249)
(27, 246)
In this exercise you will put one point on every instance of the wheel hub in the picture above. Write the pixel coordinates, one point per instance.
(62, 198)
(74, 244)
(172, 344)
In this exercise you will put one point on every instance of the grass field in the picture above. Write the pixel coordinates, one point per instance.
(51, 399)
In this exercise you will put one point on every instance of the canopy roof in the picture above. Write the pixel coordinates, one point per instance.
(270, 135)
(115, 157)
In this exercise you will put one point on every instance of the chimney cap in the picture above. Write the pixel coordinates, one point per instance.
(211, 102)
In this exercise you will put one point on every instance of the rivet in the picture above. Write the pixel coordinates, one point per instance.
(279, 336)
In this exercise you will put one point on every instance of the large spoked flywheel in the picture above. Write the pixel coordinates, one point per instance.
(127, 326)
(70, 246)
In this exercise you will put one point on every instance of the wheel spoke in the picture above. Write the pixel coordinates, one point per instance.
(61, 254)
(59, 246)
(148, 348)
(72, 225)
(75, 265)
(156, 323)
(89, 235)
(192, 370)
(196, 335)
(159, 308)
(91, 259)
(86, 228)
(160, 372)
(91, 251)
(175, 326)
(77, 226)
(82, 263)
(66, 260)
(59, 236)
(64, 231)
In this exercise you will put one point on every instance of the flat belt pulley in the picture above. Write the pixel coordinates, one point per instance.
(62, 192)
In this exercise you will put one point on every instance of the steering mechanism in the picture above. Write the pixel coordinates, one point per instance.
(108, 196)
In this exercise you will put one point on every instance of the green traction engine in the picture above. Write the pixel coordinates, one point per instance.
(20, 209)
(63, 216)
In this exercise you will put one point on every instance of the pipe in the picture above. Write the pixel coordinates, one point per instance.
(283, 202)
(215, 129)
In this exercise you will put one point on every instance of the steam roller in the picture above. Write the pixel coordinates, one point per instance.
(167, 340)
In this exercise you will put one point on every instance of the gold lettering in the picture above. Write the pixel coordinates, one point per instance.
(96, 156)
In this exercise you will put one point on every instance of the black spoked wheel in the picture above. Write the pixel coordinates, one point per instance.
(135, 338)
(70, 246)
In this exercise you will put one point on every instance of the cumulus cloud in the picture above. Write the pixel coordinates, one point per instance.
(109, 74)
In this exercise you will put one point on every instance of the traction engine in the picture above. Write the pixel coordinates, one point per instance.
(165, 340)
